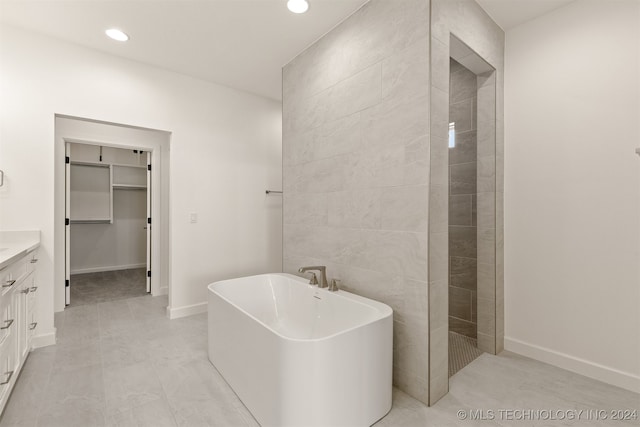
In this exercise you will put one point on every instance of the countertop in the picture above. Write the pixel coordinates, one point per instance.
(16, 244)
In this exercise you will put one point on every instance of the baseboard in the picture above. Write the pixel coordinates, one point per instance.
(187, 310)
(43, 340)
(580, 366)
(107, 268)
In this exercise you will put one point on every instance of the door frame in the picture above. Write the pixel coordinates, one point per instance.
(155, 141)
(153, 251)
(149, 250)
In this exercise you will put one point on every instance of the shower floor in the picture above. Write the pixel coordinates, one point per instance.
(462, 351)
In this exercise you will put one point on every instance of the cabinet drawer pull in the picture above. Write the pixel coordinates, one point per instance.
(33, 326)
(33, 261)
(8, 324)
(9, 375)
(33, 288)
(25, 291)
(9, 284)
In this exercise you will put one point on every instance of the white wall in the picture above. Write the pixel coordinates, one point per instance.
(116, 246)
(225, 151)
(572, 190)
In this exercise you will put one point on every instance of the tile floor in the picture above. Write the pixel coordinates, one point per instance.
(103, 286)
(462, 351)
(122, 363)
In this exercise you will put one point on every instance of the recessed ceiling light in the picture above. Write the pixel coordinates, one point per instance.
(116, 34)
(298, 6)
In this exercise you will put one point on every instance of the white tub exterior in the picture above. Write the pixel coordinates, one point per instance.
(300, 356)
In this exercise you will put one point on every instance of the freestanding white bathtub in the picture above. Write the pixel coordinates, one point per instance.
(297, 355)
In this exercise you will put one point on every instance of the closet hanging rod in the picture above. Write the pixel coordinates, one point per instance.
(273, 191)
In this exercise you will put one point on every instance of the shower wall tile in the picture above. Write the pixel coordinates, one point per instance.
(439, 114)
(462, 327)
(486, 173)
(411, 343)
(404, 208)
(338, 137)
(439, 209)
(463, 178)
(462, 242)
(487, 210)
(438, 342)
(416, 161)
(354, 208)
(438, 314)
(402, 71)
(439, 163)
(390, 124)
(355, 93)
(372, 34)
(438, 257)
(306, 208)
(474, 210)
(464, 272)
(486, 245)
(303, 149)
(471, 24)
(487, 343)
(486, 316)
(460, 303)
(486, 280)
(465, 86)
(354, 109)
(461, 114)
(474, 307)
(460, 210)
(453, 64)
(402, 253)
(465, 150)
(440, 65)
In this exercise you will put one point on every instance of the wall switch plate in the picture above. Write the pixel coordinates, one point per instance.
(193, 217)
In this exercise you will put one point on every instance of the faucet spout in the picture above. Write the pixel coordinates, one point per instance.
(323, 273)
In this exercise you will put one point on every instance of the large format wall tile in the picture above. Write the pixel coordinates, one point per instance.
(463, 179)
(470, 24)
(356, 167)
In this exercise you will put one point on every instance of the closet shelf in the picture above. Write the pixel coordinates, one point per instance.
(129, 187)
(91, 221)
(106, 164)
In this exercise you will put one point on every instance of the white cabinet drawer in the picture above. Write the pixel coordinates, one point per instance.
(7, 369)
(11, 275)
(31, 261)
(7, 322)
(32, 326)
(32, 285)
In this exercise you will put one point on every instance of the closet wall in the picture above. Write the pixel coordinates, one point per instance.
(111, 187)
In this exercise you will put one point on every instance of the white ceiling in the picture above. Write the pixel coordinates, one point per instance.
(511, 13)
(237, 43)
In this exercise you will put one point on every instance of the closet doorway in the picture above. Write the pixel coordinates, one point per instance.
(107, 223)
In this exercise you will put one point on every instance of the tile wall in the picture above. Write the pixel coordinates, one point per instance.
(463, 246)
(469, 23)
(365, 167)
(356, 167)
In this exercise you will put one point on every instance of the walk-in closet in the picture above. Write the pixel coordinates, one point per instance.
(108, 237)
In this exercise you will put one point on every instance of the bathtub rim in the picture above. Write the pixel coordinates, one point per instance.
(384, 310)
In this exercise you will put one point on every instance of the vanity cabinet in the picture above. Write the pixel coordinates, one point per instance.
(18, 321)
